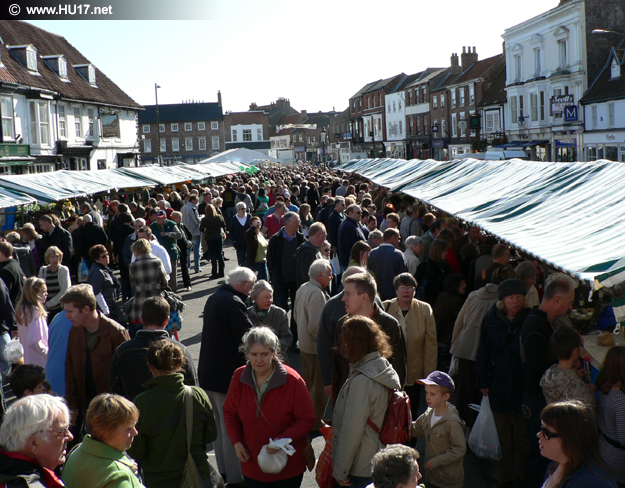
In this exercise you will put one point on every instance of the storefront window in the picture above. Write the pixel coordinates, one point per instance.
(611, 153)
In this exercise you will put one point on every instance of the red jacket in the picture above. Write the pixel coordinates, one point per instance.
(286, 410)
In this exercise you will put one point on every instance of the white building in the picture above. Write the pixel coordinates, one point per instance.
(545, 78)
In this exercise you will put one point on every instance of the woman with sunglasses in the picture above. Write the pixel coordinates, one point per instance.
(569, 437)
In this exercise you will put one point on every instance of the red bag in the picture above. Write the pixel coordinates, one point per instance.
(323, 472)
(397, 425)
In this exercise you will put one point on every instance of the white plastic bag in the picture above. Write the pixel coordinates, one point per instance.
(483, 440)
(13, 351)
(274, 463)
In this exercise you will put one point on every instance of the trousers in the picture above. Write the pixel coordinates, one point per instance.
(227, 461)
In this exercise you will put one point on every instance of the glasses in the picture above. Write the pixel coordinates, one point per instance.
(64, 432)
(406, 288)
(547, 434)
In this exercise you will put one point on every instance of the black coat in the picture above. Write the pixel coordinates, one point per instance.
(274, 255)
(60, 238)
(237, 231)
(431, 274)
(498, 362)
(225, 322)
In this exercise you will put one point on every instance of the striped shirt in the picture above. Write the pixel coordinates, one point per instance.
(611, 419)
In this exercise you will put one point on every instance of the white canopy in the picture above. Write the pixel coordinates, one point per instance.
(239, 155)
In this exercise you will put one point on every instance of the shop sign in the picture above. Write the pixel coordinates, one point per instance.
(566, 142)
(570, 113)
(560, 101)
(14, 150)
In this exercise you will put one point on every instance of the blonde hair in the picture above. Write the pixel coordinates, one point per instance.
(141, 246)
(106, 412)
(53, 251)
(29, 302)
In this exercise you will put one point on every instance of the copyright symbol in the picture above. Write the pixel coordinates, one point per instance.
(14, 9)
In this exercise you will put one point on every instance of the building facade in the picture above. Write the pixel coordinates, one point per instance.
(247, 129)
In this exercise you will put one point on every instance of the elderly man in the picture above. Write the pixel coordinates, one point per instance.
(349, 234)
(55, 236)
(33, 439)
(282, 265)
(310, 251)
(375, 238)
(90, 347)
(537, 356)
(414, 246)
(191, 218)
(207, 197)
(225, 322)
(168, 233)
(386, 262)
(137, 210)
(309, 302)
(159, 251)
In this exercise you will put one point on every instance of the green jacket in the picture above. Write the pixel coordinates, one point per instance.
(168, 241)
(161, 445)
(94, 464)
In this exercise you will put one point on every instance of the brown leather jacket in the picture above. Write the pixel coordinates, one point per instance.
(110, 335)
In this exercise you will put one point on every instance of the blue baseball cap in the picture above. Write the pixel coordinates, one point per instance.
(438, 378)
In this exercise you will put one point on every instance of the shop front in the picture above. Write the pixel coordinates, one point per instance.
(604, 145)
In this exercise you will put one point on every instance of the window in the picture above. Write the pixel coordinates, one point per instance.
(410, 125)
(435, 102)
(39, 123)
(161, 128)
(442, 100)
(409, 97)
(556, 93)
(188, 126)
(91, 117)
(426, 129)
(534, 107)
(62, 121)
(611, 115)
(521, 114)
(514, 112)
(394, 106)
(389, 108)
(31, 58)
(201, 126)
(594, 116)
(175, 145)
(461, 124)
(471, 94)
(247, 135)
(234, 135)
(62, 67)
(401, 128)
(216, 144)
(462, 95)
(454, 125)
(399, 105)
(77, 122)
(188, 143)
(174, 127)
(163, 145)
(423, 93)
(562, 54)
(91, 71)
(442, 132)
(537, 67)
(517, 67)
(541, 105)
(453, 98)
(147, 146)
(418, 125)
(8, 125)
(259, 134)
(202, 143)
(146, 128)
(615, 69)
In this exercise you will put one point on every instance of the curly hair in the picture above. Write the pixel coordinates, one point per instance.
(361, 336)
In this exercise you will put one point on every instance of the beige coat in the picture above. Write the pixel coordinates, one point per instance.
(445, 447)
(419, 329)
(309, 302)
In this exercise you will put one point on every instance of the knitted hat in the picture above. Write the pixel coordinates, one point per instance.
(511, 286)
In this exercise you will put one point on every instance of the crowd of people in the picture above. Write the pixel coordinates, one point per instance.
(374, 291)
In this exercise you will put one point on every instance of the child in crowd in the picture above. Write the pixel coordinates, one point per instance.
(561, 382)
(445, 444)
(28, 379)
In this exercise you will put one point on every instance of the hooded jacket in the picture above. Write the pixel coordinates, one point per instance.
(445, 447)
(466, 336)
(564, 384)
(364, 395)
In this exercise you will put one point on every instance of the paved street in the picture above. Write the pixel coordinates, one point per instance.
(477, 472)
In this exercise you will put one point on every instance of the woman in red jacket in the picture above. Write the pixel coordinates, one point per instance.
(268, 399)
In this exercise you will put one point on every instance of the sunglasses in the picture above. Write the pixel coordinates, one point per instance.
(547, 434)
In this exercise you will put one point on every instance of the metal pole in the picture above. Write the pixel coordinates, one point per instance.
(158, 126)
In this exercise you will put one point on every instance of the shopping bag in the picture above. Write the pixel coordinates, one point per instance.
(83, 271)
(483, 440)
(323, 472)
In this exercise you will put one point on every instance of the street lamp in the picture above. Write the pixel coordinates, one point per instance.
(158, 126)
(603, 31)
(323, 135)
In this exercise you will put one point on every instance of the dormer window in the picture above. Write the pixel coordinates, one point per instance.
(26, 55)
(58, 64)
(87, 71)
(615, 69)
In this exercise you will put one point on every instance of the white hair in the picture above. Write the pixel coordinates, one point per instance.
(318, 267)
(28, 416)
(259, 287)
(352, 270)
(87, 218)
(260, 335)
(139, 223)
(240, 205)
(411, 241)
(238, 275)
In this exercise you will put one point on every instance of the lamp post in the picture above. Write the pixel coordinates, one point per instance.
(603, 31)
(158, 126)
(323, 135)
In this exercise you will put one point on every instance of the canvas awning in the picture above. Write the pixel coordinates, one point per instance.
(114, 179)
(165, 175)
(569, 215)
(52, 186)
(216, 169)
(10, 198)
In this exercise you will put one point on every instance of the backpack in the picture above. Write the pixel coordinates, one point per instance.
(397, 425)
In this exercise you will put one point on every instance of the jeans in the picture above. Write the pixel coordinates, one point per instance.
(5, 367)
(261, 269)
(215, 248)
(360, 481)
(241, 256)
(229, 213)
(197, 240)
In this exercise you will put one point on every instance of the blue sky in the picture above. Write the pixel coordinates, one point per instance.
(317, 54)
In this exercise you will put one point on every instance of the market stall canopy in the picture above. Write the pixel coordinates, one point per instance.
(9, 198)
(569, 215)
(165, 175)
(239, 155)
(215, 169)
(113, 178)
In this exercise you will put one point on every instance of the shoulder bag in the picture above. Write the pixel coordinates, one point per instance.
(191, 477)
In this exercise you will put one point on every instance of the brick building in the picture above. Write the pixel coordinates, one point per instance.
(187, 132)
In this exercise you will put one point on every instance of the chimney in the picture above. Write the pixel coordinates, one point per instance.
(253, 106)
(219, 97)
(465, 58)
(474, 55)
(454, 59)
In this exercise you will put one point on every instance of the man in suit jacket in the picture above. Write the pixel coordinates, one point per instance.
(387, 261)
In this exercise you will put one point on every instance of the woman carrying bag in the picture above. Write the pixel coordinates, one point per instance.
(162, 443)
